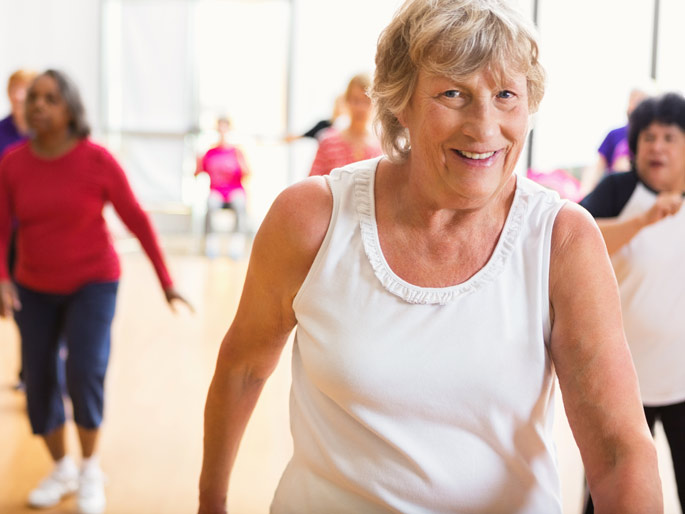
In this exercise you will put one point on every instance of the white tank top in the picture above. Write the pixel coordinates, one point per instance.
(649, 273)
(422, 400)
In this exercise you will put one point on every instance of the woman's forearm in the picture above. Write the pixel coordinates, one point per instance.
(230, 402)
(618, 233)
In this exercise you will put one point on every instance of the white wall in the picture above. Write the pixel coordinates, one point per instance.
(670, 69)
(62, 34)
(333, 42)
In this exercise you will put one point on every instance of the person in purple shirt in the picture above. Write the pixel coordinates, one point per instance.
(14, 129)
(613, 154)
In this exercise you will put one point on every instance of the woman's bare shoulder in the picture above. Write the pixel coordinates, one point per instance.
(294, 229)
(578, 250)
(572, 225)
(302, 212)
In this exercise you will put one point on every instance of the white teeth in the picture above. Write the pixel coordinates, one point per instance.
(477, 156)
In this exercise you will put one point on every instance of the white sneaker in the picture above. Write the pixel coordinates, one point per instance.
(61, 482)
(91, 490)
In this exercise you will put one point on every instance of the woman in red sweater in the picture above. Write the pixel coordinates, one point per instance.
(56, 185)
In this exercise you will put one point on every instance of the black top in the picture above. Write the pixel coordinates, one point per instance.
(315, 131)
(611, 195)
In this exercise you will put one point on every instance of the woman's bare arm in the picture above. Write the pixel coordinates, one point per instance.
(617, 233)
(283, 252)
(595, 370)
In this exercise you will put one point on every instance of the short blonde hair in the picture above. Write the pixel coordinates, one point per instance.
(455, 38)
(24, 77)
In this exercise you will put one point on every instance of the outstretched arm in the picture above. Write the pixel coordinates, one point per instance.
(9, 301)
(596, 373)
(617, 233)
(283, 252)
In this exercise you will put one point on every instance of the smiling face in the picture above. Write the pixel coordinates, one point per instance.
(660, 158)
(46, 110)
(467, 134)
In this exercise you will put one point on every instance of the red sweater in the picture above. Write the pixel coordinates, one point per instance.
(62, 238)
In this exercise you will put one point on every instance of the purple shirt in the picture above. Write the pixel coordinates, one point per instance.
(9, 134)
(611, 142)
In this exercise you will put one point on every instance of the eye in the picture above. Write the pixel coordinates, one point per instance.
(506, 94)
(452, 93)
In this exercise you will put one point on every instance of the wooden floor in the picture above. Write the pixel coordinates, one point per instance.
(160, 369)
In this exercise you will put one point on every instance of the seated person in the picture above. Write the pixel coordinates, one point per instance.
(226, 167)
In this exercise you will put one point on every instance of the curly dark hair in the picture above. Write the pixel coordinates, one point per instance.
(668, 109)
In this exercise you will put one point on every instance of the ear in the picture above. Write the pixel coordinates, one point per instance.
(402, 117)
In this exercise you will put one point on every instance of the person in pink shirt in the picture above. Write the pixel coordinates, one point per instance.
(356, 142)
(56, 185)
(227, 168)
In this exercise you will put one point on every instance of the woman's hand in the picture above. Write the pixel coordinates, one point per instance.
(667, 204)
(173, 296)
(9, 300)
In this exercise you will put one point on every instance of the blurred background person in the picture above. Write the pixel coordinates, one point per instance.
(354, 143)
(640, 216)
(227, 169)
(56, 185)
(613, 154)
(14, 129)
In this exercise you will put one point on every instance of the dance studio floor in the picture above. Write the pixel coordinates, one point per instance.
(160, 368)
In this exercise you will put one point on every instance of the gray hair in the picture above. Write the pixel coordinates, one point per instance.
(78, 125)
(454, 38)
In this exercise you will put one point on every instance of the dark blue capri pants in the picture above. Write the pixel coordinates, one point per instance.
(83, 319)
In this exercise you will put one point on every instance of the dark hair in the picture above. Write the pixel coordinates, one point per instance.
(78, 125)
(668, 109)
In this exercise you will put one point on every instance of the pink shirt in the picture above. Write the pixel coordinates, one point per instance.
(335, 151)
(222, 164)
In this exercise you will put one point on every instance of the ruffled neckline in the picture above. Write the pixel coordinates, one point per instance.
(364, 183)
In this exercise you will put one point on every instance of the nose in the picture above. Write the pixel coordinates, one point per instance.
(659, 144)
(655, 146)
(481, 119)
(38, 103)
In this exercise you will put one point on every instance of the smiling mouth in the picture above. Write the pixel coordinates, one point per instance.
(475, 156)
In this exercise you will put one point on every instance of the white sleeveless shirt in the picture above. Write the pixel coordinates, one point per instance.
(422, 400)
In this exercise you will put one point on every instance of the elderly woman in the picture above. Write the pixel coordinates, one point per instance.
(640, 218)
(435, 294)
(56, 185)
